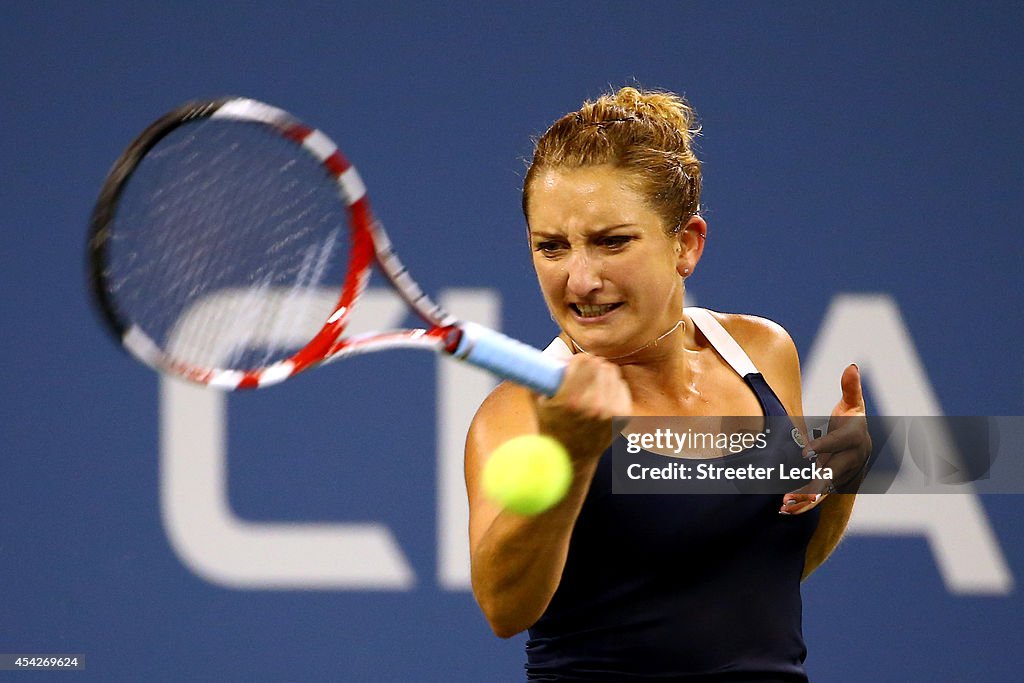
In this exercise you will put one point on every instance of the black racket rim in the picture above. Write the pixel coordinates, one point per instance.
(97, 245)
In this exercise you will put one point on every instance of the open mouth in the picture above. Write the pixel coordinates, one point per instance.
(593, 310)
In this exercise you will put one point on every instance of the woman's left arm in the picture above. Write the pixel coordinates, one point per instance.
(845, 449)
(835, 515)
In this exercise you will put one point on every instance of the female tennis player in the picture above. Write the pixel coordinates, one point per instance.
(648, 587)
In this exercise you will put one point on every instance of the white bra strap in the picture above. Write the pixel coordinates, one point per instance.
(722, 341)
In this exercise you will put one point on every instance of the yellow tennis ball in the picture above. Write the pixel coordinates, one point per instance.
(528, 474)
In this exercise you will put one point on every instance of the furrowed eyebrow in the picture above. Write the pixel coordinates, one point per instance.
(594, 233)
(603, 231)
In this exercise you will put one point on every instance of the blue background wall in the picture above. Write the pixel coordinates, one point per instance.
(850, 149)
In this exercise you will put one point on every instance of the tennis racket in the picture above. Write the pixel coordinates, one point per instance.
(230, 245)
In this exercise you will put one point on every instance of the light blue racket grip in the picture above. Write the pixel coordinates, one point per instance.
(510, 359)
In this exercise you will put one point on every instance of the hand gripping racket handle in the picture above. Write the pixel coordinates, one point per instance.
(509, 358)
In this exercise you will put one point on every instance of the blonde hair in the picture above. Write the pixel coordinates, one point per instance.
(649, 134)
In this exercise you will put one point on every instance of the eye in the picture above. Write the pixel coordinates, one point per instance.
(549, 248)
(615, 241)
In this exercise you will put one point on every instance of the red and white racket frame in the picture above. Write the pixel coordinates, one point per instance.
(369, 244)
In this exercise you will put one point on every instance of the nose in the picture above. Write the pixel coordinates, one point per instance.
(584, 274)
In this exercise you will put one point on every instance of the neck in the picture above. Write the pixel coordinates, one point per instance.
(657, 371)
(654, 342)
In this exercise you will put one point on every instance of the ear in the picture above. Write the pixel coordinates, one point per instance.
(690, 245)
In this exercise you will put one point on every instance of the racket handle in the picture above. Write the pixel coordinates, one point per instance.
(509, 358)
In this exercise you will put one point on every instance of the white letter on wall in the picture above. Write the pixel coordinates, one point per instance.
(227, 550)
(869, 330)
(461, 389)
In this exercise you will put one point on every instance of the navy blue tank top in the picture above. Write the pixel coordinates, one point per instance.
(680, 587)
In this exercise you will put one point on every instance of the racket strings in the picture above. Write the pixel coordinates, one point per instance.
(228, 246)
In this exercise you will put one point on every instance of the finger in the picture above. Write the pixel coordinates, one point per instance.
(612, 392)
(849, 435)
(802, 507)
(853, 394)
(809, 491)
(806, 498)
(841, 468)
(793, 499)
(595, 388)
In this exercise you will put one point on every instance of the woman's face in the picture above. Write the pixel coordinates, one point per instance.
(610, 274)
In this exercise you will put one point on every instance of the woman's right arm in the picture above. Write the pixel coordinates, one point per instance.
(517, 561)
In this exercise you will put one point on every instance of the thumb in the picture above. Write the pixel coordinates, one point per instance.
(853, 395)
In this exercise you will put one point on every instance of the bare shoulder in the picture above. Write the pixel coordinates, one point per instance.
(507, 412)
(772, 351)
(508, 409)
(761, 338)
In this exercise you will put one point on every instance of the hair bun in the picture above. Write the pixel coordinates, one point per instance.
(647, 133)
(654, 106)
